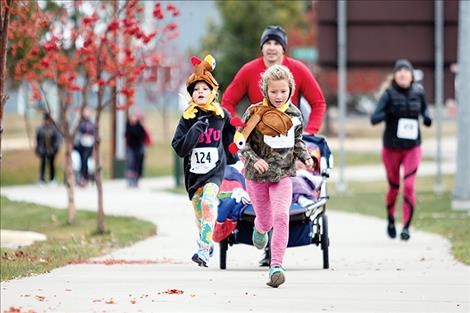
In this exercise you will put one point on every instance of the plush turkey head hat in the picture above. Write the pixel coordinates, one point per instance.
(202, 72)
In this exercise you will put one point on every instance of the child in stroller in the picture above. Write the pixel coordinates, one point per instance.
(308, 220)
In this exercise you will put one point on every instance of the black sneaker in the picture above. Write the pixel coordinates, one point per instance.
(391, 230)
(405, 234)
(264, 262)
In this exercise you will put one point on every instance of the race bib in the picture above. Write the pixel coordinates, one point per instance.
(87, 140)
(407, 128)
(203, 160)
(283, 141)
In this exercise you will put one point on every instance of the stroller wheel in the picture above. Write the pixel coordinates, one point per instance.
(325, 241)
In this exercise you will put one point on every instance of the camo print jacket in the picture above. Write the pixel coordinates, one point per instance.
(279, 152)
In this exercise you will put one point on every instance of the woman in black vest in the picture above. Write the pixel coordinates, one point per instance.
(400, 106)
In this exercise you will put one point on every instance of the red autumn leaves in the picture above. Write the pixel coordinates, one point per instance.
(62, 47)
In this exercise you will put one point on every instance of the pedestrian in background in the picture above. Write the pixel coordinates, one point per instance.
(202, 138)
(400, 107)
(269, 166)
(48, 140)
(136, 138)
(85, 142)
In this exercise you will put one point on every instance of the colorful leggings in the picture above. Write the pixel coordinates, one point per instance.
(205, 204)
(393, 159)
(271, 202)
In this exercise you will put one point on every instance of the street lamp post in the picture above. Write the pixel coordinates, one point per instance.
(341, 186)
(461, 195)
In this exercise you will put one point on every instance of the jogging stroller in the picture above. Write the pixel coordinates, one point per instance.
(307, 224)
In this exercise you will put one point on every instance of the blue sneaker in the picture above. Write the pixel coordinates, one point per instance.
(201, 257)
(260, 240)
(276, 276)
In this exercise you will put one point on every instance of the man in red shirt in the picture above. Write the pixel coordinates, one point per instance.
(246, 82)
(273, 45)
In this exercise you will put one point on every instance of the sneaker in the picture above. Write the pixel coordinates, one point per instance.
(266, 260)
(276, 276)
(260, 240)
(211, 250)
(201, 257)
(391, 230)
(405, 234)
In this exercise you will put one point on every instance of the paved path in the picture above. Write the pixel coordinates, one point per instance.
(369, 273)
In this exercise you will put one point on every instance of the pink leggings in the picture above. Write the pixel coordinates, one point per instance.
(271, 202)
(393, 159)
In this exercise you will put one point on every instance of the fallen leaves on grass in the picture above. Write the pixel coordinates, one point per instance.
(21, 255)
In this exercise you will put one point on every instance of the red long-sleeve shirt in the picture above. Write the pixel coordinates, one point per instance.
(247, 81)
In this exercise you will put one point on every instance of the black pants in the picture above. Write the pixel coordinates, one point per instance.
(49, 159)
(85, 154)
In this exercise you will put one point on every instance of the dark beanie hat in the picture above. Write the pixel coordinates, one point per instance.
(402, 63)
(276, 33)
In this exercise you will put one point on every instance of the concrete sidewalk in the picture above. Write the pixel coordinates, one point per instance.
(369, 272)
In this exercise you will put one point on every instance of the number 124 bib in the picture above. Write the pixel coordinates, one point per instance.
(203, 160)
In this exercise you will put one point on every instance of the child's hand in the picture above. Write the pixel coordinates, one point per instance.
(261, 166)
(309, 164)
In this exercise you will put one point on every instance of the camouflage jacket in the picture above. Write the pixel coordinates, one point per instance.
(279, 152)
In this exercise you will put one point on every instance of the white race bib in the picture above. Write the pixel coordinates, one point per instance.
(87, 140)
(407, 128)
(203, 160)
(283, 141)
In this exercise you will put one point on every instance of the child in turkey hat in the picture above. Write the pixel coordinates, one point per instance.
(201, 139)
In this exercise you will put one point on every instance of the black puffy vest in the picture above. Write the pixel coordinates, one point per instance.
(403, 103)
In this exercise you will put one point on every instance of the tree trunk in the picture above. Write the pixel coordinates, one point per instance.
(98, 166)
(4, 22)
(69, 175)
(70, 182)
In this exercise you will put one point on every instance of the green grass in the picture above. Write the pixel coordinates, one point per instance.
(65, 243)
(433, 212)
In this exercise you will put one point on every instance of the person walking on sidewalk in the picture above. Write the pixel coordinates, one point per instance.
(269, 166)
(273, 45)
(48, 140)
(85, 143)
(401, 106)
(201, 138)
(135, 148)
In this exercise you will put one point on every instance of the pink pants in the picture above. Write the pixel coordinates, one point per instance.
(393, 159)
(271, 202)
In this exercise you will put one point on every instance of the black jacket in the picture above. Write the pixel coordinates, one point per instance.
(398, 103)
(48, 140)
(201, 141)
(135, 136)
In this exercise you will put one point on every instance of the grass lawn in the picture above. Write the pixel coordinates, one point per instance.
(65, 243)
(433, 212)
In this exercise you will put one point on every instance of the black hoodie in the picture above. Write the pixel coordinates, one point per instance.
(203, 143)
